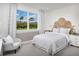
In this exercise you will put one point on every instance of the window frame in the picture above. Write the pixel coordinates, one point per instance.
(28, 30)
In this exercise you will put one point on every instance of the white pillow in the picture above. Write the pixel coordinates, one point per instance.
(64, 30)
(56, 30)
(8, 39)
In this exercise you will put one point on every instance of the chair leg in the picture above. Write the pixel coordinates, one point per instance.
(15, 51)
(19, 47)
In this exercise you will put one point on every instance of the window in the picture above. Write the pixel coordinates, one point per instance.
(26, 20)
(32, 21)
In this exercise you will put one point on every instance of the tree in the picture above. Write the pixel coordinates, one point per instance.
(21, 18)
(31, 19)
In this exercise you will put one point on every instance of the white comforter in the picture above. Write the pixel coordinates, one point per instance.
(51, 42)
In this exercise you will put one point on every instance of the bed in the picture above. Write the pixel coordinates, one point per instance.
(53, 42)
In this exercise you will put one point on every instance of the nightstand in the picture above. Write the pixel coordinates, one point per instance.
(74, 40)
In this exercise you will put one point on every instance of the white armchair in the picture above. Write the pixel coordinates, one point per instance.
(11, 45)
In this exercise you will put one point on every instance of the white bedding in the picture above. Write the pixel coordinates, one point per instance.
(51, 42)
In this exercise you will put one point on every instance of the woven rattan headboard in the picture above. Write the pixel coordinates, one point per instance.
(62, 22)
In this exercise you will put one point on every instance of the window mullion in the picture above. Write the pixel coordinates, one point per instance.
(28, 21)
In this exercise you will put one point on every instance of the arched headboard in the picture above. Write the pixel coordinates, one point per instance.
(62, 22)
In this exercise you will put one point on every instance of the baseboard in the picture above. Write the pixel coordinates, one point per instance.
(26, 42)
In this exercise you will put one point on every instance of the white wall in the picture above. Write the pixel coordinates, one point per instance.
(4, 18)
(42, 21)
(70, 13)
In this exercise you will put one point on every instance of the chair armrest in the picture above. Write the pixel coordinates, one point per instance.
(7, 43)
(17, 40)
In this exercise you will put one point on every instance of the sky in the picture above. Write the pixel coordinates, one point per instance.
(20, 13)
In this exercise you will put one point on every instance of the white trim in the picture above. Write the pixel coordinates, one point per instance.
(23, 31)
(26, 42)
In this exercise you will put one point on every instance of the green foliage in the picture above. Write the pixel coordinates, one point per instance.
(33, 25)
(31, 19)
(21, 25)
(21, 18)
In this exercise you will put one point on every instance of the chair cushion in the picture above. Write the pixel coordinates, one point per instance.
(8, 39)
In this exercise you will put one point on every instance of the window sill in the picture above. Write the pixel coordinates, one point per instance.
(25, 31)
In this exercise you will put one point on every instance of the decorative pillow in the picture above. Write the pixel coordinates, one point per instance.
(56, 30)
(8, 39)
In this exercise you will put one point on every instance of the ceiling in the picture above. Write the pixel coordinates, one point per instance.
(48, 6)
